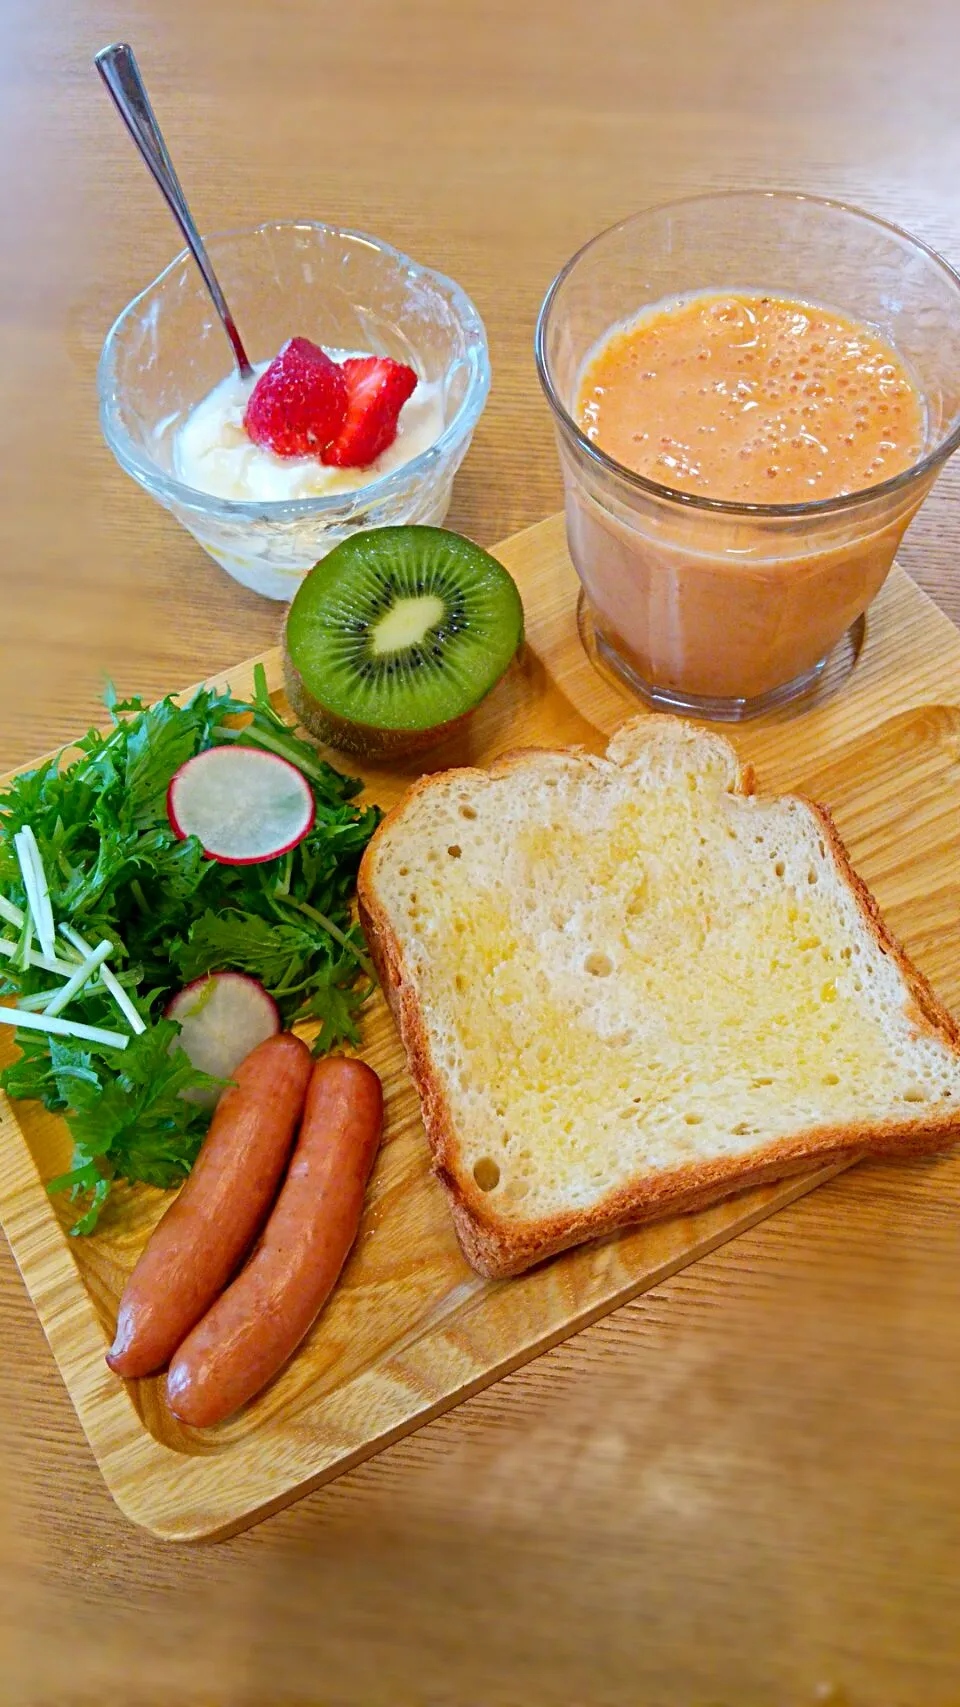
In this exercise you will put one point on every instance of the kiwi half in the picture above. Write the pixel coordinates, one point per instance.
(396, 636)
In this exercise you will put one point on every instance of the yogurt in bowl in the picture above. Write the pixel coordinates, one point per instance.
(214, 453)
(170, 412)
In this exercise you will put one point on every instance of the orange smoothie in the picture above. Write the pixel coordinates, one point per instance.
(755, 399)
(750, 399)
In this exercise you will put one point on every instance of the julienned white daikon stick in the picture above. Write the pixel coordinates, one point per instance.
(119, 994)
(26, 944)
(22, 851)
(62, 1027)
(38, 1001)
(82, 976)
(35, 883)
(46, 962)
(12, 914)
(109, 980)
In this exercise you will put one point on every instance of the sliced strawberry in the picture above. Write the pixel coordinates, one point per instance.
(377, 389)
(299, 403)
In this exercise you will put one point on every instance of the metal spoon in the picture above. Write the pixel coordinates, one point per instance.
(121, 74)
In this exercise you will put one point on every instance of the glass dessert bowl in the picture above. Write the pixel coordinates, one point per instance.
(702, 604)
(347, 292)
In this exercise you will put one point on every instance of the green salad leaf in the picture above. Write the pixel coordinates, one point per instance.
(129, 1118)
(117, 870)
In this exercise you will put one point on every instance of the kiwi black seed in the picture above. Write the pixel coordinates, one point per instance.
(396, 635)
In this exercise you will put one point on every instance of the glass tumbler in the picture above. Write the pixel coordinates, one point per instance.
(721, 609)
(340, 288)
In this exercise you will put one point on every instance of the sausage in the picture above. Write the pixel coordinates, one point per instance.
(211, 1225)
(250, 1332)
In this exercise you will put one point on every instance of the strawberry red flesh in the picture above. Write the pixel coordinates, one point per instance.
(299, 404)
(377, 389)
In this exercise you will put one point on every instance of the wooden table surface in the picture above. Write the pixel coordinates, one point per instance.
(743, 1489)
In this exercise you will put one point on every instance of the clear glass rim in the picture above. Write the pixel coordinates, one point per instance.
(176, 492)
(927, 464)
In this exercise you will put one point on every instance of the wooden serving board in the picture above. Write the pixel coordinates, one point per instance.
(411, 1330)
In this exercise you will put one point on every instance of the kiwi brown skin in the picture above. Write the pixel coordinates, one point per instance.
(361, 739)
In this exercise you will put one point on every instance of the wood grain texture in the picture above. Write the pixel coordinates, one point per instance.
(411, 1330)
(742, 1487)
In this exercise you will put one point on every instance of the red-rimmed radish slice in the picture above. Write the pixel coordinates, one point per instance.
(223, 1016)
(242, 805)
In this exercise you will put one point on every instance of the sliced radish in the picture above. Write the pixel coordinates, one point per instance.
(222, 1017)
(243, 805)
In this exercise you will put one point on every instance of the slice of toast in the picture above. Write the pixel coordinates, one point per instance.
(628, 986)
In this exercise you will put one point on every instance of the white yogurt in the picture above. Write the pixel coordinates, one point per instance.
(212, 453)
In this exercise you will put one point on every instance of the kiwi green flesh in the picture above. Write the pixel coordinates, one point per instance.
(400, 631)
(359, 739)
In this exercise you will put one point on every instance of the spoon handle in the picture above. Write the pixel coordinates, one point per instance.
(121, 74)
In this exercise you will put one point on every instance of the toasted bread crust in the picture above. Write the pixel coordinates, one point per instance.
(498, 1249)
(931, 1015)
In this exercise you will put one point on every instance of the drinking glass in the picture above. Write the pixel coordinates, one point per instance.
(721, 609)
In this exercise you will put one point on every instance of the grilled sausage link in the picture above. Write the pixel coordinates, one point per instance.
(251, 1331)
(211, 1225)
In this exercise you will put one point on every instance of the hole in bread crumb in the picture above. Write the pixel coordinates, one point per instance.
(468, 811)
(454, 851)
(758, 1082)
(823, 850)
(599, 964)
(404, 870)
(914, 1094)
(811, 876)
(831, 1079)
(460, 982)
(779, 868)
(742, 1129)
(486, 1173)
(693, 1119)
